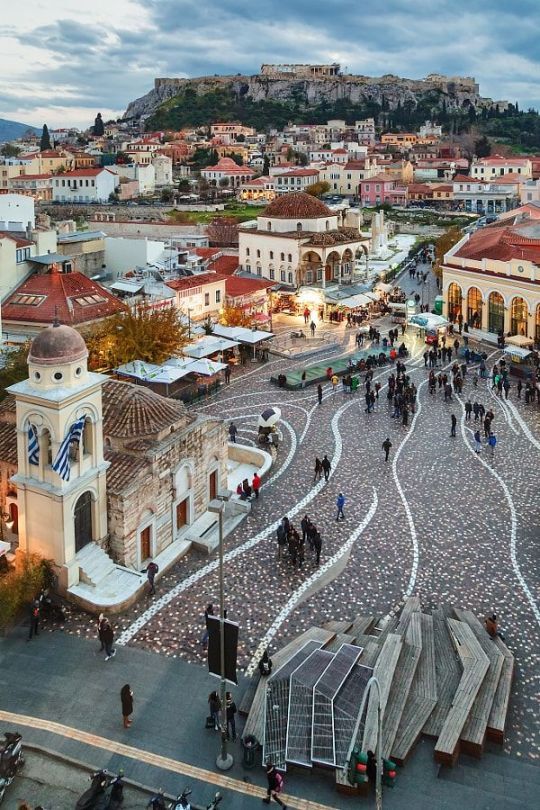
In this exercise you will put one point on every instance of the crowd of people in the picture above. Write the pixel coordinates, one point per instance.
(292, 542)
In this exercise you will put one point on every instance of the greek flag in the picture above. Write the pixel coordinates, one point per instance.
(61, 463)
(33, 445)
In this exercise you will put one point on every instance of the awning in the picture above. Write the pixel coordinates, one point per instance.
(353, 301)
(133, 287)
(205, 367)
(241, 334)
(209, 345)
(50, 258)
(149, 372)
(520, 340)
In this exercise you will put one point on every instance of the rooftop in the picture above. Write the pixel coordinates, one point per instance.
(297, 205)
(134, 411)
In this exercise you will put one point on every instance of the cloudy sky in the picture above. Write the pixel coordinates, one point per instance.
(63, 60)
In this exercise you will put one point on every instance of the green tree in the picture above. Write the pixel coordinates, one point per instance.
(10, 150)
(184, 185)
(318, 189)
(482, 147)
(45, 142)
(224, 182)
(266, 166)
(14, 367)
(98, 125)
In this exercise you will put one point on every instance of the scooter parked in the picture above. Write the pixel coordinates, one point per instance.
(11, 759)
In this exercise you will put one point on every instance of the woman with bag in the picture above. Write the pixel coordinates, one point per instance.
(275, 786)
(126, 696)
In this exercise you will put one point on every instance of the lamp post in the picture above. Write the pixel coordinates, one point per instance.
(225, 760)
(189, 322)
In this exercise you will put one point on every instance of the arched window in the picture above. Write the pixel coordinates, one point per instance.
(45, 446)
(83, 521)
(269, 226)
(496, 313)
(518, 317)
(88, 438)
(474, 307)
(282, 257)
(299, 226)
(327, 223)
(454, 301)
(271, 254)
(289, 257)
(258, 254)
(290, 278)
(537, 328)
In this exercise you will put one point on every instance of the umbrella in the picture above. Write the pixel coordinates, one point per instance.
(269, 417)
(205, 367)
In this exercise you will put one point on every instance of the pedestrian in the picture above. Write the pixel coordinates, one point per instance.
(477, 442)
(492, 627)
(100, 625)
(227, 374)
(371, 767)
(319, 393)
(281, 532)
(214, 705)
(233, 430)
(453, 428)
(246, 489)
(304, 524)
(230, 707)
(326, 465)
(256, 484)
(318, 469)
(468, 409)
(208, 612)
(386, 445)
(334, 381)
(34, 619)
(151, 570)
(126, 697)
(492, 441)
(303, 379)
(340, 503)
(108, 640)
(317, 546)
(265, 664)
(275, 785)
(312, 327)
(518, 388)
(475, 380)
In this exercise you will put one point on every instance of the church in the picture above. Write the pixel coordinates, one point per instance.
(101, 476)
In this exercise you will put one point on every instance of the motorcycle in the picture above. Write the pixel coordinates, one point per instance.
(98, 795)
(181, 802)
(11, 759)
(218, 798)
(157, 802)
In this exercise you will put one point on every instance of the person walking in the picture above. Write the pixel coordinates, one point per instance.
(233, 430)
(208, 612)
(317, 546)
(231, 710)
(492, 441)
(100, 625)
(453, 421)
(265, 664)
(256, 484)
(108, 640)
(126, 698)
(281, 533)
(477, 442)
(303, 379)
(214, 706)
(334, 381)
(340, 503)
(326, 467)
(318, 469)
(227, 374)
(312, 328)
(151, 570)
(319, 393)
(34, 619)
(519, 388)
(386, 445)
(275, 785)
(468, 409)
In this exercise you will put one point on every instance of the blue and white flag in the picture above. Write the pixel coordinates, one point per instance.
(33, 445)
(61, 463)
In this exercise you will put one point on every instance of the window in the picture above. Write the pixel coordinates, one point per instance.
(272, 274)
(269, 226)
(248, 268)
(282, 257)
(207, 299)
(282, 275)
(290, 278)
(271, 254)
(299, 226)
(247, 251)
(218, 296)
(289, 257)
(28, 300)
(258, 254)
(259, 271)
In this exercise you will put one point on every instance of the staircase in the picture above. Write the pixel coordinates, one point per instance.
(103, 585)
(94, 564)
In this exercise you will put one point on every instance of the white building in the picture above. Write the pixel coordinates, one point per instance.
(492, 167)
(144, 174)
(299, 240)
(85, 186)
(16, 212)
(163, 170)
(428, 128)
(123, 254)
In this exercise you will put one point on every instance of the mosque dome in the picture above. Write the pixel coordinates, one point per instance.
(297, 205)
(57, 344)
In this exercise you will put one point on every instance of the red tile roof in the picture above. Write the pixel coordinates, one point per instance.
(228, 166)
(207, 252)
(503, 243)
(31, 177)
(198, 280)
(67, 295)
(300, 173)
(19, 240)
(237, 285)
(86, 172)
(226, 265)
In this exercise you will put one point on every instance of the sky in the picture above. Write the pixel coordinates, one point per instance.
(62, 61)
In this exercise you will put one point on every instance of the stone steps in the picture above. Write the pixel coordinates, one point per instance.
(95, 565)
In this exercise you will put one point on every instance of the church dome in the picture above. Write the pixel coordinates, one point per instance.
(57, 344)
(297, 205)
(133, 411)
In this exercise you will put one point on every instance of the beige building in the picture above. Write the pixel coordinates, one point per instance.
(491, 278)
(107, 474)
(200, 296)
(299, 240)
(345, 178)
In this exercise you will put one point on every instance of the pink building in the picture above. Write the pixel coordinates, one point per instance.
(227, 169)
(382, 189)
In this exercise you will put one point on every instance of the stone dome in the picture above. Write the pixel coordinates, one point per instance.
(133, 411)
(297, 205)
(57, 344)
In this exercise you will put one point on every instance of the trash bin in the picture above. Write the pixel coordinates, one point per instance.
(250, 745)
(354, 383)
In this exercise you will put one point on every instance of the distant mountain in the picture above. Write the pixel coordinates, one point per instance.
(9, 130)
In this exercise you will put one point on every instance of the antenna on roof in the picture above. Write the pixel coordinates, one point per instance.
(56, 322)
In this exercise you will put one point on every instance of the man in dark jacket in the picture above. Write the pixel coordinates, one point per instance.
(108, 640)
(326, 467)
(34, 619)
(151, 572)
(386, 445)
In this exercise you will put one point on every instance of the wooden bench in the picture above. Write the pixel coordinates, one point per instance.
(474, 733)
(402, 681)
(499, 710)
(337, 641)
(412, 605)
(448, 671)
(249, 695)
(384, 672)
(362, 624)
(475, 666)
(422, 697)
(337, 627)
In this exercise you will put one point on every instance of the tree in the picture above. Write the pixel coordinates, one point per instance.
(301, 159)
(224, 182)
(45, 142)
(223, 231)
(122, 158)
(318, 189)
(184, 185)
(482, 147)
(444, 243)
(266, 166)
(10, 150)
(234, 316)
(98, 128)
(238, 159)
(167, 195)
(136, 334)
(14, 367)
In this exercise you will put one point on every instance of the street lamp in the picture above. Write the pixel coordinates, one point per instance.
(189, 322)
(225, 760)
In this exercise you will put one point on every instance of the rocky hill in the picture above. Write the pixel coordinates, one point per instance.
(278, 94)
(10, 130)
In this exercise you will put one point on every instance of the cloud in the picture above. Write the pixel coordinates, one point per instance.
(87, 61)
